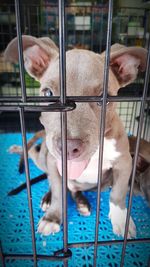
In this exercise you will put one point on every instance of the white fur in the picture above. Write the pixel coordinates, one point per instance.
(46, 228)
(118, 220)
(84, 210)
(14, 149)
(38, 158)
(44, 206)
(90, 174)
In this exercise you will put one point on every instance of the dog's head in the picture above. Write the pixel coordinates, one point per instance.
(84, 76)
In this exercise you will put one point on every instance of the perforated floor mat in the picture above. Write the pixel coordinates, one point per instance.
(15, 231)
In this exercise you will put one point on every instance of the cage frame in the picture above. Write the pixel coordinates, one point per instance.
(64, 104)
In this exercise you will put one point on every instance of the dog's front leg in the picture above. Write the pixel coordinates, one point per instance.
(50, 222)
(82, 203)
(118, 210)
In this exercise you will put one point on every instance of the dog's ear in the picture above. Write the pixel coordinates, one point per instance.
(126, 62)
(37, 52)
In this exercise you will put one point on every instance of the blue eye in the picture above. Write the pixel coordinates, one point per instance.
(48, 92)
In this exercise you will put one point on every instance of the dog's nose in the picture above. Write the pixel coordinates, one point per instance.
(74, 148)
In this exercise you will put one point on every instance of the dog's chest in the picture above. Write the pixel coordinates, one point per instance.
(110, 154)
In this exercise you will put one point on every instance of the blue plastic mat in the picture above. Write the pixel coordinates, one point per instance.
(15, 231)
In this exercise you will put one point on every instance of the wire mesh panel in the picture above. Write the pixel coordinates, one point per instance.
(82, 241)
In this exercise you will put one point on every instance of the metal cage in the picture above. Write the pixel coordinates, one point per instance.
(137, 108)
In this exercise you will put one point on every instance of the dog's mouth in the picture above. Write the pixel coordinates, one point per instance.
(74, 168)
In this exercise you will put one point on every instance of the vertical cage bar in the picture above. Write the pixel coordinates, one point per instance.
(2, 256)
(139, 131)
(145, 122)
(134, 120)
(92, 26)
(132, 116)
(147, 130)
(127, 117)
(62, 70)
(64, 177)
(24, 19)
(23, 131)
(102, 122)
(20, 51)
(10, 25)
(62, 51)
(28, 18)
(84, 26)
(101, 32)
(38, 19)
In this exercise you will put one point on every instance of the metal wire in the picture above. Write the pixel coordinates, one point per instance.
(146, 124)
(76, 245)
(22, 121)
(62, 71)
(23, 131)
(62, 51)
(62, 104)
(140, 125)
(102, 123)
(20, 51)
(38, 100)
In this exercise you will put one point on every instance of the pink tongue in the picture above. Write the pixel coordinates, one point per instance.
(75, 168)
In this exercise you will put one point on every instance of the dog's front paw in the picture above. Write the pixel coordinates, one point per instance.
(47, 227)
(14, 149)
(118, 220)
(84, 209)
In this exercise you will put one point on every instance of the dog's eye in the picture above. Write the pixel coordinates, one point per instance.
(47, 92)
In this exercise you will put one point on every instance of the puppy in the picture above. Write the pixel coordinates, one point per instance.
(142, 178)
(84, 76)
